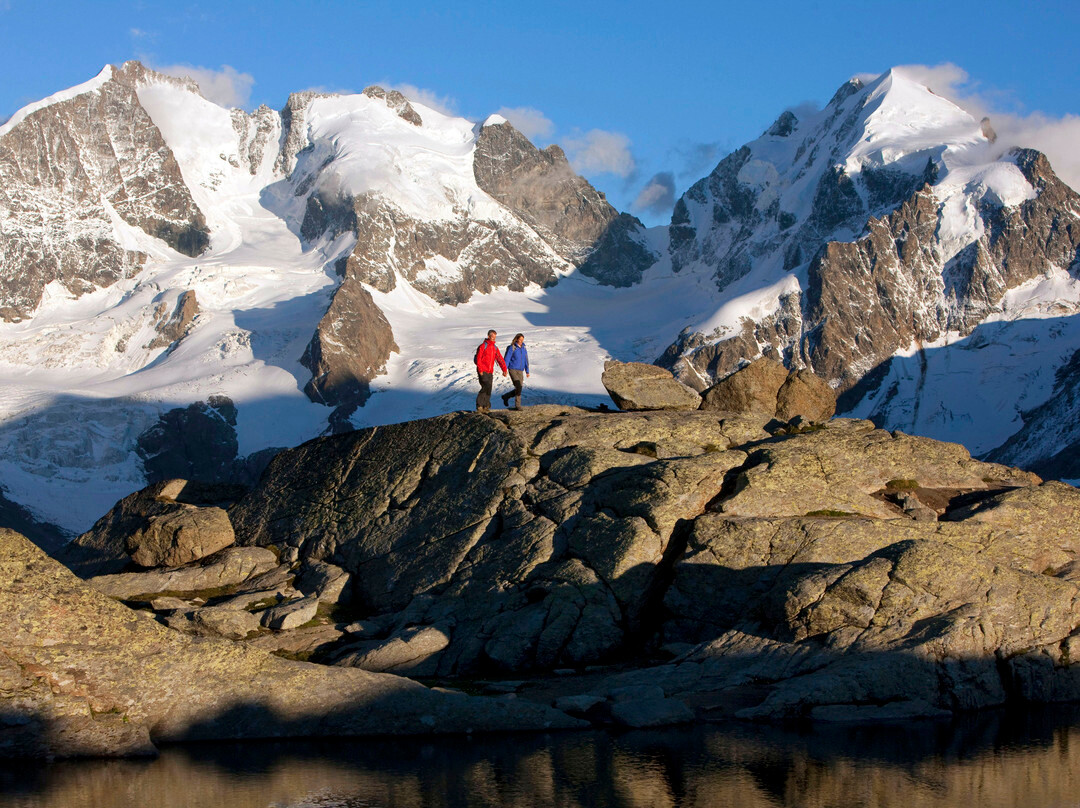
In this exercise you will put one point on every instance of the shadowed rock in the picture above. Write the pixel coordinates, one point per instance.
(90, 676)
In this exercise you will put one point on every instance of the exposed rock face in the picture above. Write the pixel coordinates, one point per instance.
(349, 348)
(197, 442)
(65, 170)
(636, 386)
(230, 567)
(86, 675)
(542, 188)
(397, 102)
(173, 327)
(487, 254)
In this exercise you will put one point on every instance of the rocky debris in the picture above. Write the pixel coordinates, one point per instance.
(167, 523)
(173, 327)
(86, 675)
(230, 567)
(66, 170)
(290, 615)
(397, 102)
(637, 386)
(350, 347)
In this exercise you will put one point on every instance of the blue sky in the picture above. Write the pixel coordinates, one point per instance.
(641, 95)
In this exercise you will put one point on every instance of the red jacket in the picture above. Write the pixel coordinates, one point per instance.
(486, 355)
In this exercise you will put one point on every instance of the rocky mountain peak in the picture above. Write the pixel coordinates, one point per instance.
(397, 102)
(68, 166)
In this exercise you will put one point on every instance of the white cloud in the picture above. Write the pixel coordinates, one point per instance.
(530, 122)
(1057, 138)
(658, 195)
(429, 98)
(600, 152)
(227, 86)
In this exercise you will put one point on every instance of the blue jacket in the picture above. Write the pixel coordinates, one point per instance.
(517, 357)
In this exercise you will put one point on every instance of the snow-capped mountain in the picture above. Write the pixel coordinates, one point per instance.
(184, 286)
(890, 243)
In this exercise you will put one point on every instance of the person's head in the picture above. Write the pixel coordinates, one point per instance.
(492, 334)
(519, 339)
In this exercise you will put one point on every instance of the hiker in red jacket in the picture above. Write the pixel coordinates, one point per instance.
(486, 356)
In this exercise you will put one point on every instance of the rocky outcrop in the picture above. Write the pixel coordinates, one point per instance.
(173, 327)
(83, 674)
(840, 567)
(636, 386)
(350, 347)
(576, 219)
(65, 170)
(397, 102)
(197, 442)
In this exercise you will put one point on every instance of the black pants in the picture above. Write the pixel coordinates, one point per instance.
(518, 378)
(483, 398)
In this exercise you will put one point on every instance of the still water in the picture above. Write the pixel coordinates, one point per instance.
(1028, 759)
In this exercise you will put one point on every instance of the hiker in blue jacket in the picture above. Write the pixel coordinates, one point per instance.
(517, 362)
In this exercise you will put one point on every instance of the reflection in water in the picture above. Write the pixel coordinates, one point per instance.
(1026, 760)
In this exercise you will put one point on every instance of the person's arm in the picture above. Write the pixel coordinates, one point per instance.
(526, 350)
(502, 363)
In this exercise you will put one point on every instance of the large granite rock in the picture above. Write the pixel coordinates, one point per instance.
(83, 674)
(168, 523)
(752, 389)
(637, 386)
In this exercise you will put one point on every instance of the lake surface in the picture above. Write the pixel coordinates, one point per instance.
(1015, 759)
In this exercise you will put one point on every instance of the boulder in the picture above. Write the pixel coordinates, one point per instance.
(167, 523)
(290, 615)
(184, 535)
(404, 652)
(638, 386)
(327, 582)
(805, 395)
(752, 390)
(233, 624)
(83, 674)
